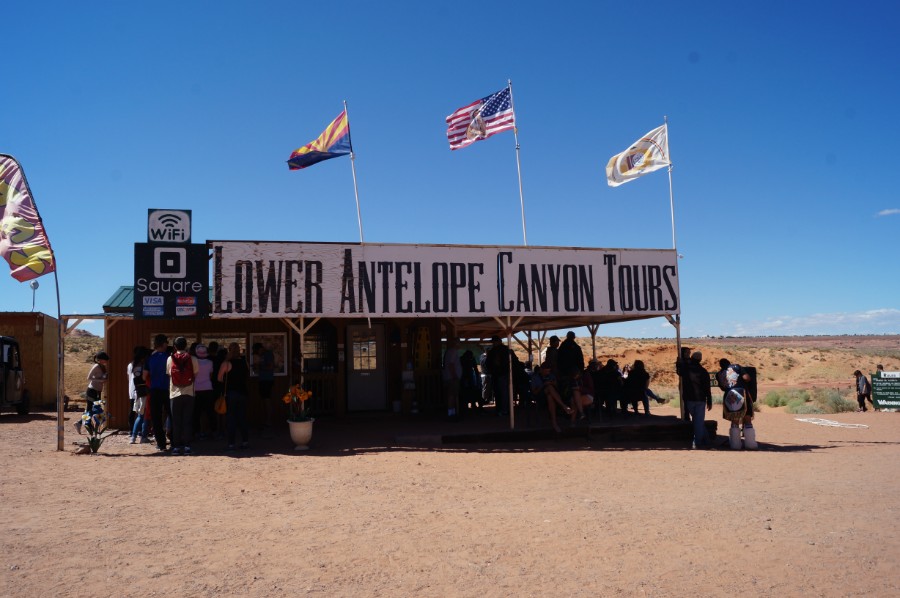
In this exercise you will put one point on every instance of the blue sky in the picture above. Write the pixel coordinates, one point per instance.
(782, 121)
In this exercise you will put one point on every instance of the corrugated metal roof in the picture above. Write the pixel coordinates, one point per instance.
(121, 300)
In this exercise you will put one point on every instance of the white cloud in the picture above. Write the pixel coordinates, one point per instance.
(890, 212)
(874, 321)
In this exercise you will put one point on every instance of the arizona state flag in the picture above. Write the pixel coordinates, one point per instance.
(23, 241)
(332, 143)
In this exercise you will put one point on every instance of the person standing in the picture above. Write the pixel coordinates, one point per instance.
(159, 388)
(234, 375)
(863, 391)
(182, 368)
(451, 374)
(608, 386)
(636, 386)
(96, 380)
(696, 392)
(571, 365)
(204, 397)
(138, 390)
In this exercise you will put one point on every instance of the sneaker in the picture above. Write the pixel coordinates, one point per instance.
(176, 451)
(144, 440)
(230, 447)
(133, 440)
(187, 450)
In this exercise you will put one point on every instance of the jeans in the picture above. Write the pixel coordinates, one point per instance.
(141, 424)
(697, 409)
(182, 420)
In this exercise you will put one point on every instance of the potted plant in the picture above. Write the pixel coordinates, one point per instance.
(299, 422)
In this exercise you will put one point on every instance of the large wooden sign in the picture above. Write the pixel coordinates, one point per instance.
(333, 280)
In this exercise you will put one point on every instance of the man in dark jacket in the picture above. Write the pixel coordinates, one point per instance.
(696, 392)
(571, 365)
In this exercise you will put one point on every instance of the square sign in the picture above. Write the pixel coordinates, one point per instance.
(169, 226)
(171, 281)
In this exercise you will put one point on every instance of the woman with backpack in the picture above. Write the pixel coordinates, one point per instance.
(182, 368)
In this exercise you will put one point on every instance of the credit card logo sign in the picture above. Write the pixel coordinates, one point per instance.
(185, 310)
(185, 301)
(153, 311)
(169, 262)
(153, 300)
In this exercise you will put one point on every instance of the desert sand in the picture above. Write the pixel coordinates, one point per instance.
(812, 513)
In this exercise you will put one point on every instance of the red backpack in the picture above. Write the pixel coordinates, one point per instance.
(182, 370)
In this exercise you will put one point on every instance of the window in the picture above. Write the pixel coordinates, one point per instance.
(364, 352)
(313, 346)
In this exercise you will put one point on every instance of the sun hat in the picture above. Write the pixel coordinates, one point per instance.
(201, 351)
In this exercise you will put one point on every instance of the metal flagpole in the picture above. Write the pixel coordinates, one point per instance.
(353, 168)
(671, 197)
(60, 348)
(676, 320)
(518, 164)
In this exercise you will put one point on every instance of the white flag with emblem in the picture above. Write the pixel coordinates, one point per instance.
(649, 153)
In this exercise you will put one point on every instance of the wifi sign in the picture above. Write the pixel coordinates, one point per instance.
(169, 226)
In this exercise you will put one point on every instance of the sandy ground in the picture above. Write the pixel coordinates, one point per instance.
(811, 514)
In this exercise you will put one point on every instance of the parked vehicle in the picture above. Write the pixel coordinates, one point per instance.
(12, 378)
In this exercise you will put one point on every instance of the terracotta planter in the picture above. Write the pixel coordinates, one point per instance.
(301, 434)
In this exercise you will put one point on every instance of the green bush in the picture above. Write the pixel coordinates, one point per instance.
(832, 401)
(775, 399)
(819, 400)
(803, 408)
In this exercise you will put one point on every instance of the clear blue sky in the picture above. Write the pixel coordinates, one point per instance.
(782, 128)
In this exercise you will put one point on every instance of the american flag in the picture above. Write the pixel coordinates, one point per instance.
(481, 119)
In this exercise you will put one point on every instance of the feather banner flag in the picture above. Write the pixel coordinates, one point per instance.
(332, 143)
(649, 153)
(23, 241)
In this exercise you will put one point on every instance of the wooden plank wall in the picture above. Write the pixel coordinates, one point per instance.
(38, 336)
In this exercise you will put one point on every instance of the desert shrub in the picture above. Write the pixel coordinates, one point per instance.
(827, 400)
(831, 401)
(775, 399)
(74, 349)
(804, 408)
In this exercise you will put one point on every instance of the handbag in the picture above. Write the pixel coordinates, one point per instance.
(220, 405)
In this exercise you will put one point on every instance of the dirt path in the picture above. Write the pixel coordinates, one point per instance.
(812, 514)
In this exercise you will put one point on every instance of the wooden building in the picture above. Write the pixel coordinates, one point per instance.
(362, 324)
(349, 366)
(38, 336)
